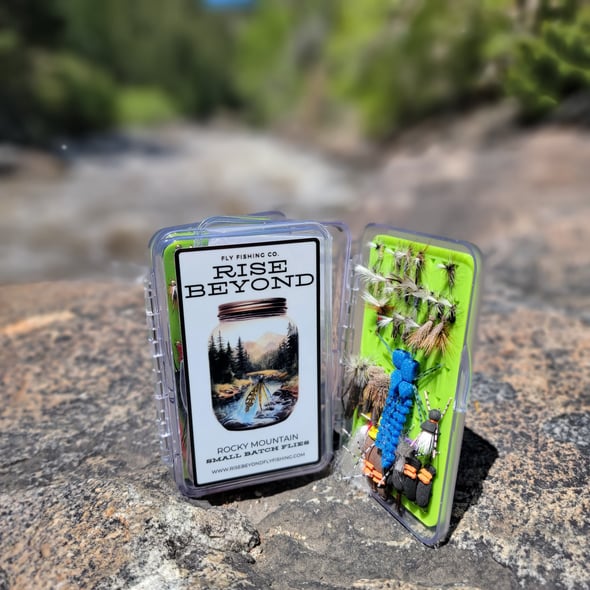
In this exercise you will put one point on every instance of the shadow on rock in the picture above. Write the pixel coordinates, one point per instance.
(477, 458)
(265, 490)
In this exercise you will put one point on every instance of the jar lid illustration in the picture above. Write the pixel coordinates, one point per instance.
(252, 308)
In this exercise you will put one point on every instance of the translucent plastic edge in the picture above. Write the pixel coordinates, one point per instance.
(267, 225)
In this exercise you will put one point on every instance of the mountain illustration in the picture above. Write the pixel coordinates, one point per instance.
(268, 342)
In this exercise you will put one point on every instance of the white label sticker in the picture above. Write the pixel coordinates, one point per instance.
(251, 330)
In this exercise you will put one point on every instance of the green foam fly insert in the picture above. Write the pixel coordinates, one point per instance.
(445, 276)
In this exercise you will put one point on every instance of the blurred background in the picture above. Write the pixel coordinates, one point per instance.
(467, 118)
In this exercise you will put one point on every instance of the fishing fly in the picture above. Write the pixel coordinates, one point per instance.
(357, 376)
(425, 444)
(173, 293)
(450, 269)
(380, 252)
(400, 399)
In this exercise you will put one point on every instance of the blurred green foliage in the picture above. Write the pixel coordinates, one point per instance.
(393, 62)
(144, 105)
(280, 49)
(45, 87)
(73, 66)
(70, 95)
(553, 64)
(68, 67)
(175, 46)
(401, 61)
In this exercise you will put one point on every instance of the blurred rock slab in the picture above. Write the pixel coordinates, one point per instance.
(84, 501)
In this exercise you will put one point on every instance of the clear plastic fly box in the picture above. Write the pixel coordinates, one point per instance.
(270, 337)
(241, 324)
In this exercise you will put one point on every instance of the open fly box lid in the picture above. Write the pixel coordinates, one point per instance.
(406, 354)
(377, 347)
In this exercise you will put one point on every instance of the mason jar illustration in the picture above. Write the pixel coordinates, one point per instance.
(254, 364)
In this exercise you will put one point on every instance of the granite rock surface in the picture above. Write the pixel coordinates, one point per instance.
(86, 503)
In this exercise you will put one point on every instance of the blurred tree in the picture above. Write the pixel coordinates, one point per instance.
(15, 94)
(71, 95)
(400, 61)
(44, 90)
(177, 47)
(36, 22)
(280, 48)
(67, 67)
(552, 63)
(390, 61)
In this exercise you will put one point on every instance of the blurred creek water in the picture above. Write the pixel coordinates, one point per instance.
(520, 194)
(92, 214)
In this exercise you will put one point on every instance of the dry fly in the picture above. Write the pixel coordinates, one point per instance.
(380, 250)
(173, 293)
(409, 290)
(375, 392)
(419, 262)
(380, 304)
(431, 336)
(442, 304)
(450, 269)
(416, 339)
(369, 276)
(357, 377)
(409, 256)
(437, 339)
(399, 257)
(400, 324)
(451, 313)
